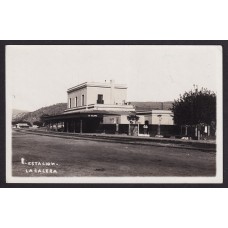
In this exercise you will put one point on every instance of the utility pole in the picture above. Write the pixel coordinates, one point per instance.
(159, 124)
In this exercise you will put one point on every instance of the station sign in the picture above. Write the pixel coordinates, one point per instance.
(91, 115)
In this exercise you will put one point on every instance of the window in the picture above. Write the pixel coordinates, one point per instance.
(83, 100)
(69, 102)
(100, 99)
(76, 102)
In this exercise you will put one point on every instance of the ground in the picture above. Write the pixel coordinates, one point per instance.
(78, 157)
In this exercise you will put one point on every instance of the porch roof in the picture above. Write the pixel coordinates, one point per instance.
(84, 114)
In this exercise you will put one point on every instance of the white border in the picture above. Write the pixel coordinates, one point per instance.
(167, 180)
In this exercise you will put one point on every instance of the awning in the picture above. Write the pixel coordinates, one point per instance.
(84, 114)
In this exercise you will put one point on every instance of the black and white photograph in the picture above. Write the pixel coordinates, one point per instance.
(114, 114)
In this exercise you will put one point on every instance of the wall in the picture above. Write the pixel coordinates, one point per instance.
(148, 118)
(115, 119)
(110, 119)
(120, 119)
(123, 119)
(112, 94)
(166, 130)
(166, 119)
(92, 94)
(118, 95)
(78, 94)
(141, 119)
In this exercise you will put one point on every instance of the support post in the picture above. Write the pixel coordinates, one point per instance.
(67, 126)
(117, 128)
(159, 124)
(159, 129)
(195, 131)
(81, 126)
(198, 135)
(186, 130)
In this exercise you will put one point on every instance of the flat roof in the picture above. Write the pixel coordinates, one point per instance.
(96, 84)
(151, 105)
(154, 112)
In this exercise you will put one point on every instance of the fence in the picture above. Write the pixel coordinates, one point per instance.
(165, 130)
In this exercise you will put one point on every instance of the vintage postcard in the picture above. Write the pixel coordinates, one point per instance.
(114, 114)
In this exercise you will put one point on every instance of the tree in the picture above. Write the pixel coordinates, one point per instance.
(38, 123)
(194, 108)
(42, 118)
(132, 118)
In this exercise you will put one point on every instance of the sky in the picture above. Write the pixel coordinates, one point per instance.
(39, 75)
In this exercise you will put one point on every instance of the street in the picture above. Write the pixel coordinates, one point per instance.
(37, 155)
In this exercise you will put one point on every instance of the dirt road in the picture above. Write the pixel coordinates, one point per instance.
(77, 157)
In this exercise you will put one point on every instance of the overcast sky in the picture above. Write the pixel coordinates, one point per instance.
(40, 75)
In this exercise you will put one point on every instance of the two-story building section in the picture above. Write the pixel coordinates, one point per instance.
(91, 104)
(98, 96)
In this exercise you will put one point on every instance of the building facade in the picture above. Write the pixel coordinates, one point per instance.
(91, 105)
(156, 117)
(103, 108)
(98, 96)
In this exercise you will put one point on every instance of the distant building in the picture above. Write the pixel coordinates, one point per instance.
(156, 117)
(22, 125)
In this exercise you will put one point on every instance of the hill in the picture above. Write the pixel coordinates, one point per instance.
(18, 113)
(32, 117)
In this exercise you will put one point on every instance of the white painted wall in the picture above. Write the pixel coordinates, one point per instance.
(78, 94)
(166, 119)
(120, 119)
(123, 119)
(148, 118)
(91, 95)
(120, 95)
(111, 120)
(141, 119)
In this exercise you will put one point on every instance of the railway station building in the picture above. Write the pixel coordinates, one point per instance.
(94, 107)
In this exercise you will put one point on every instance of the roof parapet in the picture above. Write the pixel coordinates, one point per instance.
(97, 84)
